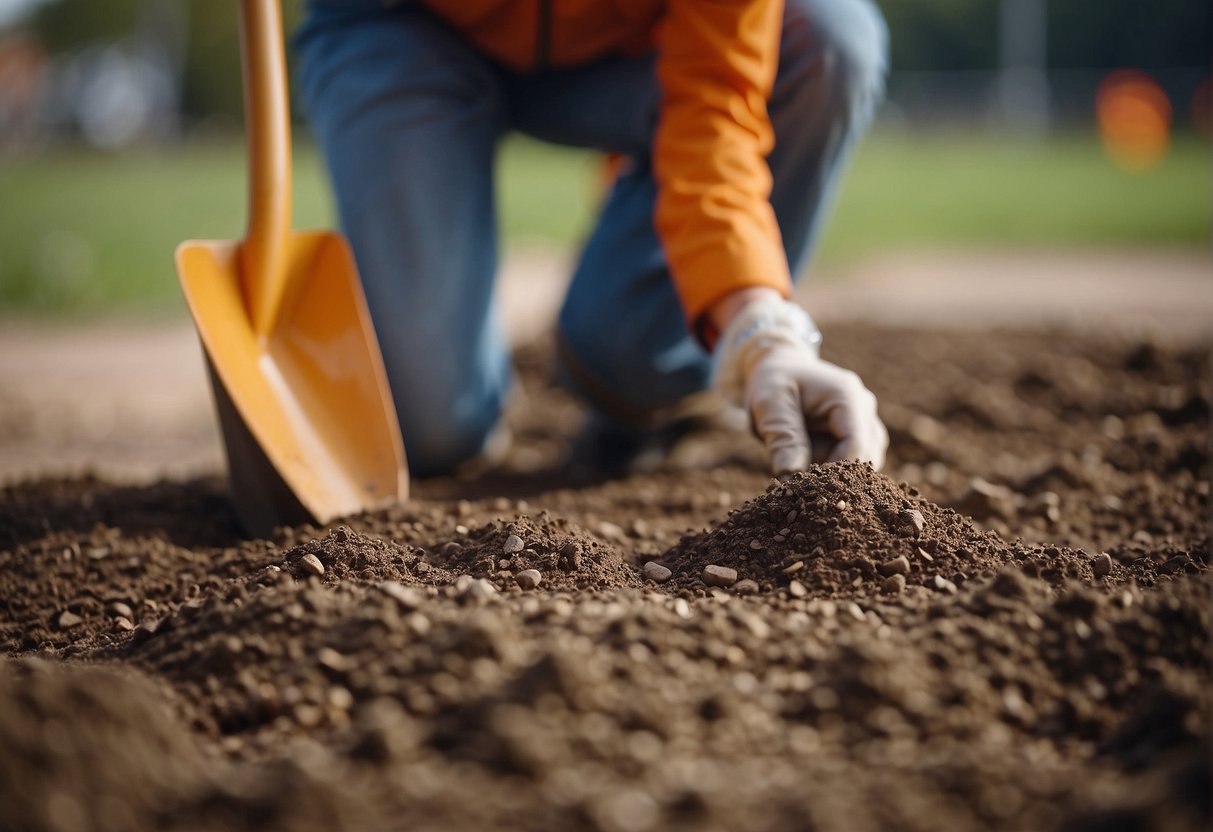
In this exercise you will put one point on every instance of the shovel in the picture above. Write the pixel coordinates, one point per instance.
(302, 398)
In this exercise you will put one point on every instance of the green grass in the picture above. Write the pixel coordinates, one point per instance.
(89, 232)
(950, 191)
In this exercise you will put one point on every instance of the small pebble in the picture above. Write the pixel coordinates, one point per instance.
(340, 698)
(334, 660)
(656, 572)
(611, 531)
(312, 564)
(913, 520)
(794, 568)
(840, 505)
(944, 585)
(123, 623)
(854, 610)
(480, 590)
(681, 608)
(925, 555)
(450, 549)
(796, 589)
(528, 578)
(308, 715)
(408, 597)
(1101, 564)
(68, 619)
(899, 565)
(569, 555)
(755, 544)
(895, 584)
(121, 610)
(512, 544)
(754, 624)
(746, 587)
(721, 576)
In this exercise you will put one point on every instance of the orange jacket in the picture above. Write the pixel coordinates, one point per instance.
(716, 62)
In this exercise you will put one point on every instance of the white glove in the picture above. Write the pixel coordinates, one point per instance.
(766, 361)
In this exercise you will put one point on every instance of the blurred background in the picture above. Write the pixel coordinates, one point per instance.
(1009, 124)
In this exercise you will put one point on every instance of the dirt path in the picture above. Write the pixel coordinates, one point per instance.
(130, 401)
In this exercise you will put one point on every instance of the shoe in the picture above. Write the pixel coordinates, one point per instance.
(608, 449)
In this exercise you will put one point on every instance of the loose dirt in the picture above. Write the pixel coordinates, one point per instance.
(1007, 630)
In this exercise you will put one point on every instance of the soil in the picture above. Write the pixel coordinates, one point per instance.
(1008, 629)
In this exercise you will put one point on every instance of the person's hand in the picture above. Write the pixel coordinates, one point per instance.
(803, 408)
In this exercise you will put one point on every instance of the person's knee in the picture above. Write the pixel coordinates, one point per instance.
(846, 42)
(436, 440)
(448, 405)
(624, 370)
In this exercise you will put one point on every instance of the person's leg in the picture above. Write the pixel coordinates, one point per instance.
(832, 63)
(623, 337)
(408, 117)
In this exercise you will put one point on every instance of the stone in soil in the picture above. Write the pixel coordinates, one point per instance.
(657, 572)
(529, 578)
(722, 576)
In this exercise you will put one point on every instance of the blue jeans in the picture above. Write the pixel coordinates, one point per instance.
(409, 115)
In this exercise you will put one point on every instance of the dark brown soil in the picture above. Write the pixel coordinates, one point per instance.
(1009, 630)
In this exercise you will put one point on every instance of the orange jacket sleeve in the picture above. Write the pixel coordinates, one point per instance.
(716, 65)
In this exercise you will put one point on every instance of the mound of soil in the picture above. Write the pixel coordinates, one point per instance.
(1014, 637)
(564, 557)
(839, 530)
(845, 530)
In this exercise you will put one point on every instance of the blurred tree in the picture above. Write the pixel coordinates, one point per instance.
(212, 71)
(926, 35)
(1159, 34)
(212, 60)
(75, 25)
(942, 34)
(962, 34)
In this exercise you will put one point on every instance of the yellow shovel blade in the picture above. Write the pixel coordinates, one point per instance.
(312, 396)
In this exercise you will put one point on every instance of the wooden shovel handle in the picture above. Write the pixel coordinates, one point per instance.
(267, 124)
